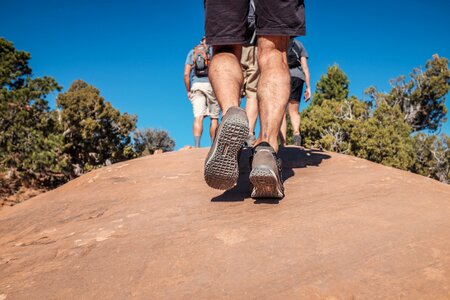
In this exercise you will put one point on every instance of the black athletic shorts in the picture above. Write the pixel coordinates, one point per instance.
(226, 20)
(296, 88)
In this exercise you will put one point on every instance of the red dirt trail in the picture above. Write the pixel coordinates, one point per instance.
(150, 228)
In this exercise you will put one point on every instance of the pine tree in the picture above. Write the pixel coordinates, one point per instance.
(332, 86)
(384, 138)
(30, 144)
(95, 133)
(328, 120)
(148, 140)
(422, 97)
(328, 125)
(345, 124)
(432, 156)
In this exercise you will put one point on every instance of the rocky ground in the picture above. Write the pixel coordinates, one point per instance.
(150, 228)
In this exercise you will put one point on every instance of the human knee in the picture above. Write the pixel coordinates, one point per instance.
(265, 56)
(272, 47)
(293, 107)
(252, 101)
(198, 120)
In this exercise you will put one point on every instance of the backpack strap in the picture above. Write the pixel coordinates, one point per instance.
(296, 49)
(252, 20)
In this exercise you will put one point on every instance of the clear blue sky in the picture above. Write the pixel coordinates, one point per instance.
(134, 51)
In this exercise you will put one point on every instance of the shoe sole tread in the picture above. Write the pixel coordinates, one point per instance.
(265, 183)
(221, 167)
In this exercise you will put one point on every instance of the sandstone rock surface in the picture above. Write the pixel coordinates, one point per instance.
(151, 229)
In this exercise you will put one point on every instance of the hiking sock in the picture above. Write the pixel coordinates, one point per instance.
(197, 141)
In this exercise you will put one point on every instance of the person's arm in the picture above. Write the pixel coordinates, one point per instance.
(187, 79)
(304, 62)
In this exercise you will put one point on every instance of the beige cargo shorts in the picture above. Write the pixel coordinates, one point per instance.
(204, 101)
(250, 70)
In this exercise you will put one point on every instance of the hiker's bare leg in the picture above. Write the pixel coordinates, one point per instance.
(251, 107)
(283, 131)
(197, 129)
(213, 127)
(198, 126)
(225, 75)
(294, 116)
(273, 86)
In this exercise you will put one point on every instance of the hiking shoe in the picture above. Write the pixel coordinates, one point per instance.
(221, 165)
(250, 141)
(297, 140)
(266, 173)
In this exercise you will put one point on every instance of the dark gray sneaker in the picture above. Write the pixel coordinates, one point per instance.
(297, 140)
(221, 165)
(250, 141)
(266, 173)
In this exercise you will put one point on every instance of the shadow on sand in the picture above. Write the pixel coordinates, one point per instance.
(292, 157)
